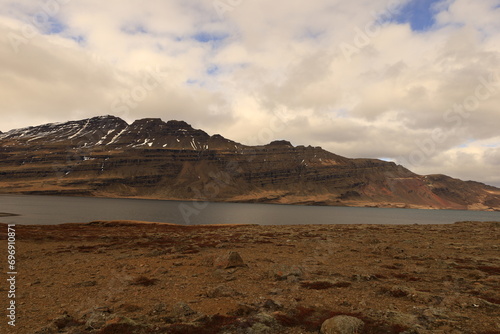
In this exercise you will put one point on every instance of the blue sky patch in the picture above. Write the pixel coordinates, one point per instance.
(205, 37)
(311, 34)
(494, 145)
(213, 69)
(192, 82)
(134, 29)
(419, 13)
(79, 39)
(54, 26)
(467, 143)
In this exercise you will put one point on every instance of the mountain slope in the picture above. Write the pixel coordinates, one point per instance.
(104, 156)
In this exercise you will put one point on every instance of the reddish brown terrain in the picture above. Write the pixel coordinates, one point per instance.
(129, 277)
(106, 157)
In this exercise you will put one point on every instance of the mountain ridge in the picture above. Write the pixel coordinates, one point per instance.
(149, 158)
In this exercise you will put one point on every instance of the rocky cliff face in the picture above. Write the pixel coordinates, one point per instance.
(104, 156)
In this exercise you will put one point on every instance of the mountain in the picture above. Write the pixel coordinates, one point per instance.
(104, 156)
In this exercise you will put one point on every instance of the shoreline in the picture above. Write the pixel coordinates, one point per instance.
(5, 214)
(373, 205)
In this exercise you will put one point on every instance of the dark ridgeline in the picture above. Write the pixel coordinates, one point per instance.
(105, 156)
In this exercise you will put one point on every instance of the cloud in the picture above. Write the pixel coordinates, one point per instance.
(346, 76)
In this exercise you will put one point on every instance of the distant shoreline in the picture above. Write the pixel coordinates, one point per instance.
(359, 204)
(5, 214)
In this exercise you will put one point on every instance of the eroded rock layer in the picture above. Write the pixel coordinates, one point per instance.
(105, 156)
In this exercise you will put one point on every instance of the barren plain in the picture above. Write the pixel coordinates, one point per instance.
(134, 277)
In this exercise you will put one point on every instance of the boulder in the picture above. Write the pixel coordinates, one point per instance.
(182, 309)
(96, 317)
(342, 324)
(229, 260)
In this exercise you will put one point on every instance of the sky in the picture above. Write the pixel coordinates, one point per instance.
(416, 82)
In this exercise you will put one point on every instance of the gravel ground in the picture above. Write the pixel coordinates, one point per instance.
(134, 277)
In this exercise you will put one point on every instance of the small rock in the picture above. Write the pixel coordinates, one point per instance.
(221, 274)
(65, 321)
(85, 284)
(34, 283)
(104, 309)
(258, 328)
(47, 330)
(244, 310)
(121, 325)
(183, 310)
(363, 278)
(158, 252)
(283, 272)
(120, 320)
(342, 324)
(229, 260)
(402, 319)
(400, 291)
(207, 261)
(202, 319)
(276, 291)
(272, 305)
(97, 317)
(130, 308)
(266, 319)
(158, 308)
(76, 330)
(232, 270)
(222, 291)
(143, 280)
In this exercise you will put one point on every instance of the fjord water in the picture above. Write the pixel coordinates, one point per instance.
(59, 209)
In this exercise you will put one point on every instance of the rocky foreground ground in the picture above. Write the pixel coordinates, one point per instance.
(129, 277)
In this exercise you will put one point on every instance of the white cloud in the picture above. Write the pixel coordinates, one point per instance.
(262, 61)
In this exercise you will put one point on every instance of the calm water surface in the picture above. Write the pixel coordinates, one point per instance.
(59, 209)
